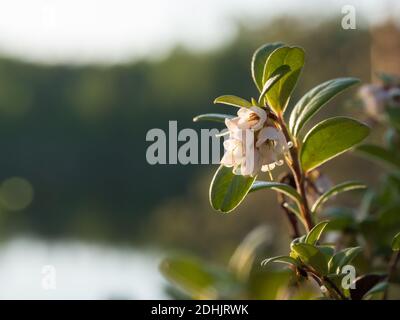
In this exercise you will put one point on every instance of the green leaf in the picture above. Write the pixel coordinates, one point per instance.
(329, 139)
(381, 155)
(277, 186)
(378, 288)
(281, 259)
(215, 117)
(278, 96)
(266, 284)
(228, 190)
(327, 250)
(396, 242)
(295, 210)
(233, 101)
(314, 100)
(242, 259)
(310, 255)
(316, 232)
(274, 78)
(286, 190)
(191, 275)
(301, 239)
(260, 56)
(342, 187)
(342, 258)
(364, 284)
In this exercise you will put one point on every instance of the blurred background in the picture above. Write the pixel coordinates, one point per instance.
(82, 82)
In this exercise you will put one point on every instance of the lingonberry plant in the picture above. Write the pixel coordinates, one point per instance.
(263, 135)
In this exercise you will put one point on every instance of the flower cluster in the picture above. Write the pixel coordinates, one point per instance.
(254, 143)
(376, 98)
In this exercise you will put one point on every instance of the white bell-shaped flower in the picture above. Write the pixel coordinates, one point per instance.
(251, 118)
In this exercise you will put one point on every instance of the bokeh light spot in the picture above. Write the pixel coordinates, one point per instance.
(16, 193)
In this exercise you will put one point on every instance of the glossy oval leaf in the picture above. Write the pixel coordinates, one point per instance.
(278, 96)
(233, 101)
(277, 186)
(281, 259)
(316, 232)
(396, 242)
(191, 275)
(214, 117)
(311, 256)
(272, 80)
(228, 190)
(314, 100)
(386, 157)
(342, 258)
(260, 56)
(329, 139)
(365, 283)
(381, 287)
(342, 187)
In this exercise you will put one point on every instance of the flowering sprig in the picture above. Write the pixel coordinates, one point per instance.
(262, 135)
(260, 138)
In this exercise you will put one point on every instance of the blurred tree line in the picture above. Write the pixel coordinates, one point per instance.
(77, 134)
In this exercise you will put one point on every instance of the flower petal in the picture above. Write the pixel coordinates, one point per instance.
(267, 133)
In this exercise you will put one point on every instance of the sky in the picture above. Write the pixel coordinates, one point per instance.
(113, 31)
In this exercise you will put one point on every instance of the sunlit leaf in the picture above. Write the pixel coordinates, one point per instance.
(228, 190)
(278, 96)
(243, 257)
(301, 239)
(268, 283)
(214, 117)
(329, 139)
(314, 100)
(260, 56)
(327, 250)
(310, 255)
(233, 101)
(316, 232)
(277, 186)
(273, 79)
(192, 276)
(343, 258)
(396, 242)
(342, 187)
(281, 259)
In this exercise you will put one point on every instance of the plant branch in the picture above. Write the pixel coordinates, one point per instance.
(298, 174)
(392, 270)
(320, 280)
(288, 179)
(335, 288)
